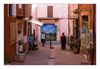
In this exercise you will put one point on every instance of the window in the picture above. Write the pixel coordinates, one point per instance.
(84, 23)
(19, 28)
(12, 10)
(25, 27)
(50, 11)
(85, 32)
(85, 19)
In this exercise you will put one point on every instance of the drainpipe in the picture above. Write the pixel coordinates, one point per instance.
(68, 22)
(79, 40)
(94, 33)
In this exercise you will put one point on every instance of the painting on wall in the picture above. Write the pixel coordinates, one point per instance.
(50, 30)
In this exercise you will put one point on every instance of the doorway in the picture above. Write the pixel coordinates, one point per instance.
(85, 32)
(50, 30)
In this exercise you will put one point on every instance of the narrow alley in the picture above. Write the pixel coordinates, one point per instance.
(47, 56)
(29, 26)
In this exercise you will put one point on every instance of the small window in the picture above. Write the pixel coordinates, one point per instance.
(12, 9)
(50, 11)
(85, 19)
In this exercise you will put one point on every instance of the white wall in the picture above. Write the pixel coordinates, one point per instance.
(41, 10)
(59, 11)
(64, 26)
(34, 14)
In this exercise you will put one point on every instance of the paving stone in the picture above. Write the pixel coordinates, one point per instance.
(47, 56)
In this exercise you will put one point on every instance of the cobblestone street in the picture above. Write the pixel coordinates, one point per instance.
(47, 56)
(70, 34)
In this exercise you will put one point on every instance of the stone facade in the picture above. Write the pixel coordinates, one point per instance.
(14, 24)
(87, 18)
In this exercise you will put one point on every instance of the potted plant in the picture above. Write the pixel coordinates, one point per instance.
(89, 50)
(20, 43)
(35, 44)
(9, 60)
(71, 42)
(75, 48)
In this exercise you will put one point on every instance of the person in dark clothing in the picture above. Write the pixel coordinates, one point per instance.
(63, 41)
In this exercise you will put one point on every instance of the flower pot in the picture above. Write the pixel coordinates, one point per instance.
(20, 49)
(75, 50)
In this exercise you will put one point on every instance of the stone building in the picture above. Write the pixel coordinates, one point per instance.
(87, 16)
(15, 30)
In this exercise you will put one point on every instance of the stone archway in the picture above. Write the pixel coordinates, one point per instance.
(50, 30)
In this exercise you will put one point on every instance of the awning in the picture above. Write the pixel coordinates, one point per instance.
(34, 21)
(48, 18)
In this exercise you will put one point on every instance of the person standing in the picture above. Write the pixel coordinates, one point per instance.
(63, 41)
(30, 42)
(43, 39)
